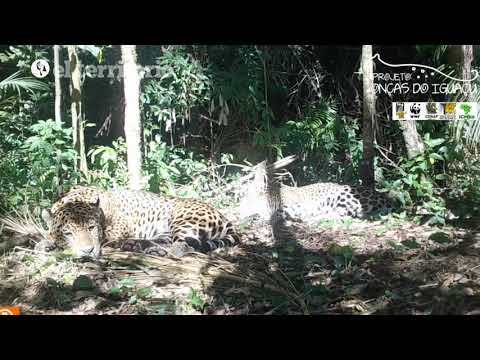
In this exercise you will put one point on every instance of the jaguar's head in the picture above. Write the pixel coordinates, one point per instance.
(255, 200)
(77, 226)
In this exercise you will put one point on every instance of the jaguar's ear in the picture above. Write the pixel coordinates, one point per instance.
(260, 177)
(96, 202)
(47, 217)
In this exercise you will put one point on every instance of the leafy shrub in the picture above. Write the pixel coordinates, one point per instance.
(417, 180)
(327, 143)
(109, 164)
(183, 84)
(165, 167)
(33, 172)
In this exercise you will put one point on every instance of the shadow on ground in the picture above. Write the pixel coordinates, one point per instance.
(323, 277)
(400, 270)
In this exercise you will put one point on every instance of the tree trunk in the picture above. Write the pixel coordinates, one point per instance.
(413, 141)
(461, 57)
(466, 68)
(367, 172)
(77, 114)
(133, 135)
(117, 100)
(58, 84)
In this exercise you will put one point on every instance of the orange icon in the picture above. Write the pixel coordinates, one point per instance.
(9, 310)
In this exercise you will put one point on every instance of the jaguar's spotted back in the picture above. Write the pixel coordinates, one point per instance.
(122, 215)
(313, 202)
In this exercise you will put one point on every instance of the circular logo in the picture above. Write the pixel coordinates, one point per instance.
(40, 68)
(6, 312)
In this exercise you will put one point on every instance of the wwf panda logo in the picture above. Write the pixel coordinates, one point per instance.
(415, 109)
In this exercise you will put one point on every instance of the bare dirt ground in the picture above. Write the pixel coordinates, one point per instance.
(387, 266)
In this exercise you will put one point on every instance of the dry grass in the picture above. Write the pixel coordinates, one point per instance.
(20, 228)
(202, 272)
(354, 267)
(169, 277)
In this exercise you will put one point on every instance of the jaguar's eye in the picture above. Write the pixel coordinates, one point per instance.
(92, 228)
(68, 234)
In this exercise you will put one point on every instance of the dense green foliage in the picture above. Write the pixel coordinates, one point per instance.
(213, 105)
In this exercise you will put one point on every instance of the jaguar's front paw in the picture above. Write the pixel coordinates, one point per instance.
(131, 246)
(156, 251)
(180, 249)
(45, 246)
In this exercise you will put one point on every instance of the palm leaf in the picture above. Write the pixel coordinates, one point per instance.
(17, 83)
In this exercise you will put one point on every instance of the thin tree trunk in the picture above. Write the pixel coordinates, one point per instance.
(131, 81)
(58, 84)
(461, 57)
(466, 67)
(77, 114)
(117, 128)
(367, 171)
(413, 141)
